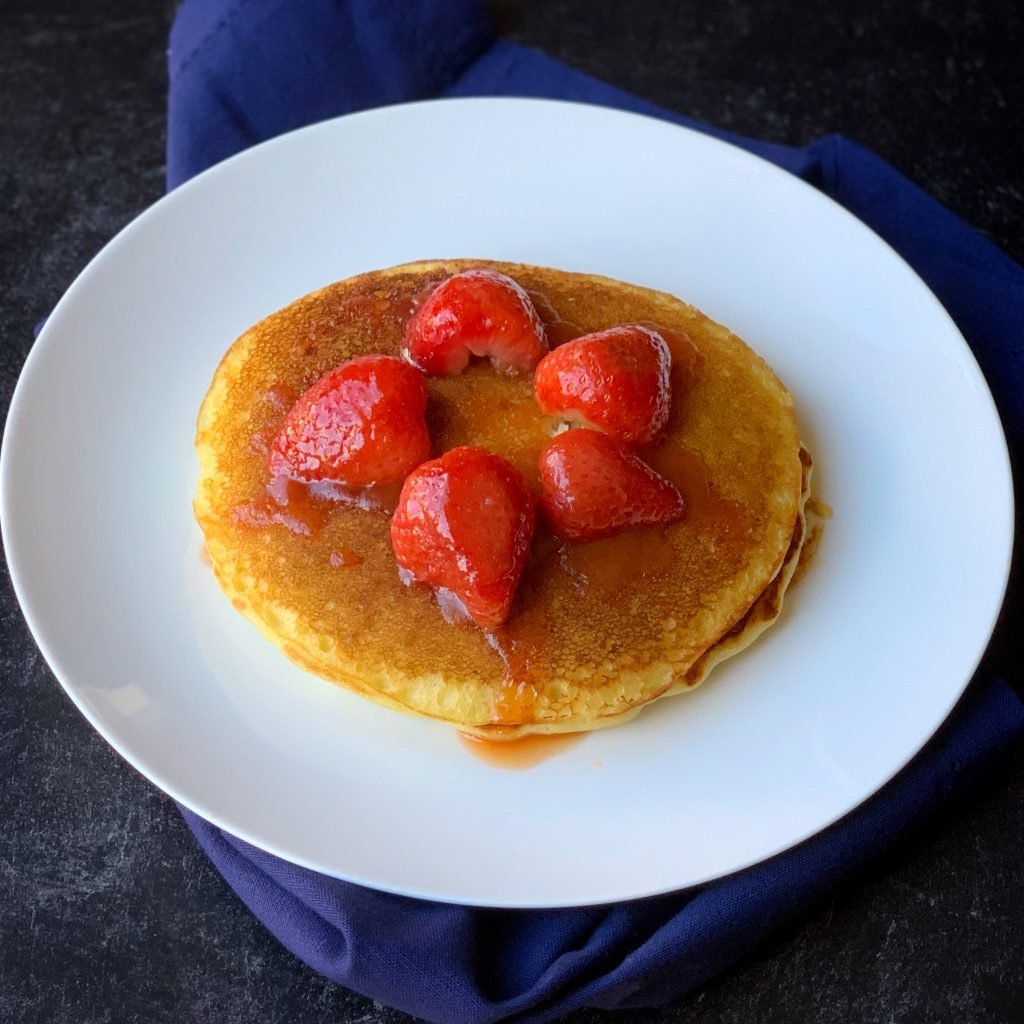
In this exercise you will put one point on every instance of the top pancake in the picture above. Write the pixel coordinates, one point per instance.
(597, 629)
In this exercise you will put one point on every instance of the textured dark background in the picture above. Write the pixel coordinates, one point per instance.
(107, 912)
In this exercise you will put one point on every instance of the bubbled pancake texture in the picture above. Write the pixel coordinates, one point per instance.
(579, 657)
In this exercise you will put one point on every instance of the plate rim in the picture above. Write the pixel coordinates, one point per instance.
(35, 620)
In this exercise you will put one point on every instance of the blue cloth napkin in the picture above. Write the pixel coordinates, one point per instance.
(246, 70)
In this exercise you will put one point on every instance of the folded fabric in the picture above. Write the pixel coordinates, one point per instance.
(246, 70)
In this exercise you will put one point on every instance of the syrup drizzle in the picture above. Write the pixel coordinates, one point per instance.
(558, 332)
(369, 304)
(687, 471)
(557, 329)
(345, 557)
(519, 643)
(278, 400)
(304, 509)
(418, 298)
(685, 355)
(605, 568)
(286, 503)
(280, 397)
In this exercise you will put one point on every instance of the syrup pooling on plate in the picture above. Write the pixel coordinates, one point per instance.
(516, 755)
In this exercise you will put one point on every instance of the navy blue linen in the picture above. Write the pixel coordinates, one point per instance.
(247, 70)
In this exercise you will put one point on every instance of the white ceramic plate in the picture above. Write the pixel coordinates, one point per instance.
(874, 648)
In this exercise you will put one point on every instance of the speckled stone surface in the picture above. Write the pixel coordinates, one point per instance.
(107, 911)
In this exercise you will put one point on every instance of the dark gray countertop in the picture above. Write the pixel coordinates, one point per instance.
(107, 910)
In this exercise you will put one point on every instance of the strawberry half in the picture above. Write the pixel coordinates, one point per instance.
(616, 380)
(593, 487)
(478, 312)
(464, 523)
(360, 424)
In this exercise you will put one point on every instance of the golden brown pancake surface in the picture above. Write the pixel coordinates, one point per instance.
(597, 630)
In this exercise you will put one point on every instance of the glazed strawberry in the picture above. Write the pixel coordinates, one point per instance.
(593, 487)
(360, 424)
(478, 312)
(464, 523)
(615, 380)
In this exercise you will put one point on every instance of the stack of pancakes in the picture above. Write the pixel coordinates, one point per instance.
(597, 631)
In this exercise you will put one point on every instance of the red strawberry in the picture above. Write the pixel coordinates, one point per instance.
(360, 424)
(615, 380)
(478, 312)
(464, 524)
(594, 487)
